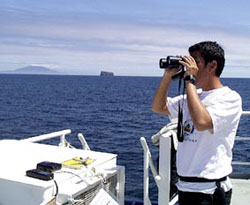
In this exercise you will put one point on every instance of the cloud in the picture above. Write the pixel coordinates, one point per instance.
(85, 43)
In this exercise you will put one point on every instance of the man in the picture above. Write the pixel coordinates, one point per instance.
(210, 119)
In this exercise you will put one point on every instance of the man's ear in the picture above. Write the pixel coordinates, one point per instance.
(212, 66)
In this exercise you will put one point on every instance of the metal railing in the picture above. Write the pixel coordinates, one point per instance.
(237, 138)
(61, 134)
(162, 178)
(246, 113)
(63, 142)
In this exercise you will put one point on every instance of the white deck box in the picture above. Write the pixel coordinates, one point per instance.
(19, 156)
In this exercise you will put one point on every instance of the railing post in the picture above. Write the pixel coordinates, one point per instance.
(85, 145)
(63, 141)
(146, 179)
(146, 200)
(164, 169)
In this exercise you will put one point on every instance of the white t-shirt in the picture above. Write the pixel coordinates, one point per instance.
(208, 154)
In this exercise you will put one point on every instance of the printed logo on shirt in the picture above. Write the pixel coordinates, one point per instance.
(188, 130)
(188, 127)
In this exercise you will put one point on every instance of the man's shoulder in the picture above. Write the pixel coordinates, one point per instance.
(222, 95)
(229, 94)
(229, 99)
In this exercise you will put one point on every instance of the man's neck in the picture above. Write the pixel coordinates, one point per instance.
(211, 84)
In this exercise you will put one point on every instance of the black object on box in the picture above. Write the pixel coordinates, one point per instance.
(39, 174)
(48, 166)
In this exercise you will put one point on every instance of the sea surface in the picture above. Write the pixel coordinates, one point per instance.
(111, 112)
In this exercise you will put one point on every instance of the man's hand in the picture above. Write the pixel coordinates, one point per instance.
(190, 64)
(172, 71)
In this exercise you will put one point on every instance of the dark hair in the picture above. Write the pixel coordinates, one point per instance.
(210, 51)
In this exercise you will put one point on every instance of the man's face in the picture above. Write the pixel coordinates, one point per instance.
(202, 68)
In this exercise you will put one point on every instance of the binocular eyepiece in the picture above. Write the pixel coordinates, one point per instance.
(170, 62)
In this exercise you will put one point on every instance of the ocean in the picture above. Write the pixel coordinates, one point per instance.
(111, 112)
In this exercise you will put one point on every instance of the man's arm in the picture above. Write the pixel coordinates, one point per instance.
(159, 104)
(199, 114)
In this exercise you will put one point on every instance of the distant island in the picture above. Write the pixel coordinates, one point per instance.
(33, 70)
(105, 73)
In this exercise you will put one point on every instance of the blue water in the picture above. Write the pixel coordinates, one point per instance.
(111, 112)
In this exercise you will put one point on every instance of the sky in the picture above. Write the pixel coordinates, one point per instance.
(84, 37)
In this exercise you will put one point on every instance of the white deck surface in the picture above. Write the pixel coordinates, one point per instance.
(241, 192)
